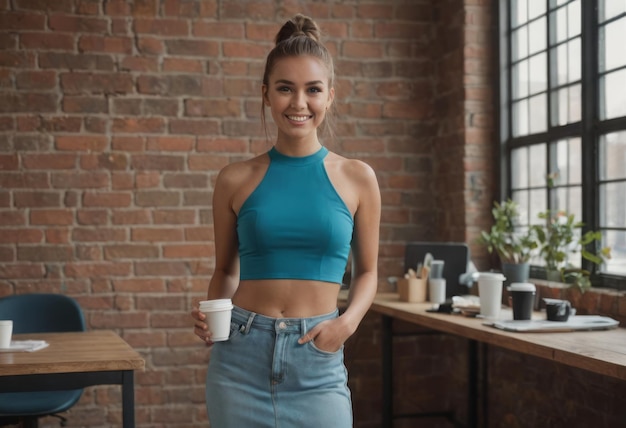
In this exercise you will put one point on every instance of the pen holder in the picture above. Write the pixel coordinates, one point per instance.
(412, 289)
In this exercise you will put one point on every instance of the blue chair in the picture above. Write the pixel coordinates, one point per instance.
(39, 313)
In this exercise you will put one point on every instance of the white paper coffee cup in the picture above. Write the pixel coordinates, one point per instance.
(437, 290)
(6, 331)
(218, 313)
(490, 286)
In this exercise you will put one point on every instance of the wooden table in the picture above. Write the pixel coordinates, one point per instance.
(73, 361)
(602, 352)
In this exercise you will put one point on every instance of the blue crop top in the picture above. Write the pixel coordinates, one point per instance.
(294, 225)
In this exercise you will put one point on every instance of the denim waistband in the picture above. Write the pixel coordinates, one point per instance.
(248, 320)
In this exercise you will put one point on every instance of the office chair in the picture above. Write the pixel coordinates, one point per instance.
(39, 313)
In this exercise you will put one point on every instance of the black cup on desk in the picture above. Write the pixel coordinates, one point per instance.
(523, 299)
(557, 310)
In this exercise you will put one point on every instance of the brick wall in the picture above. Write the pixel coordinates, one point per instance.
(116, 116)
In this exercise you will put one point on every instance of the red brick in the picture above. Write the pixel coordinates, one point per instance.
(92, 217)
(140, 125)
(91, 43)
(85, 105)
(36, 80)
(79, 180)
(52, 217)
(170, 144)
(117, 252)
(98, 235)
(97, 270)
(107, 199)
(131, 217)
(81, 143)
(49, 161)
(77, 24)
(156, 234)
(45, 41)
(184, 65)
(20, 21)
(139, 285)
(162, 27)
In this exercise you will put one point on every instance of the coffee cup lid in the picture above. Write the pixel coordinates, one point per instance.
(496, 276)
(522, 286)
(216, 304)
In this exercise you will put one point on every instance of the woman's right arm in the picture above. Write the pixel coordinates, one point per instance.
(225, 279)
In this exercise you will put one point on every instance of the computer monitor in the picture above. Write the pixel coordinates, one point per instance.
(455, 255)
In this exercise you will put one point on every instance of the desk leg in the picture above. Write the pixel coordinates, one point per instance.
(387, 371)
(472, 383)
(128, 399)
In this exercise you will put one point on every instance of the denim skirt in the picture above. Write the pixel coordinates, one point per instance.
(261, 377)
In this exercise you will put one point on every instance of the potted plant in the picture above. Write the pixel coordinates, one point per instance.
(559, 237)
(513, 244)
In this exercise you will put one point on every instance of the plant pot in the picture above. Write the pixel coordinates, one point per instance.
(553, 275)
(515, 272)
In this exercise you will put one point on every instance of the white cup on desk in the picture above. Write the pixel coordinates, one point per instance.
(436, 290)
(6, 331)
(490, 286)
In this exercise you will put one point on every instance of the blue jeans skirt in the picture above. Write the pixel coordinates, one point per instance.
(261, 377)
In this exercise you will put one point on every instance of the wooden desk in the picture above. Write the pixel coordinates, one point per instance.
(602, 352)
(73, 361)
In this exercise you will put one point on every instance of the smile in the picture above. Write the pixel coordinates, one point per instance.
(299, 118)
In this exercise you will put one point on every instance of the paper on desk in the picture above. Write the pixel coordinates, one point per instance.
(25, 346)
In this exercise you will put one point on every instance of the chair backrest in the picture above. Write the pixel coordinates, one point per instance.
(42, 313)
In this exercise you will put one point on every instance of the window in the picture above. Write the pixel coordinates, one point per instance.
(563, 118)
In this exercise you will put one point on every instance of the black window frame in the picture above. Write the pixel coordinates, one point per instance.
(589, 129)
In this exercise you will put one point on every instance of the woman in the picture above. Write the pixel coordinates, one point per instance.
(285, 222)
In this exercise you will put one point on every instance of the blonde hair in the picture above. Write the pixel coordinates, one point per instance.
(300, 36)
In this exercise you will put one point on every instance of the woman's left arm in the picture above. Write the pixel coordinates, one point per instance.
(330, 335)
(365, 245)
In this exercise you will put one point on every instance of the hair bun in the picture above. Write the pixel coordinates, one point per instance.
(298, 26)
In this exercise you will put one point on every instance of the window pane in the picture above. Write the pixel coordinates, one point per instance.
(574, 65)
(617, 263)
(559, 24)
(612, 52)
(537, 205)
(538, 161)
(519, 12)
(574, 111)
(520, 43)
(612, 199)
(537, 33)
(539, 73)
(612, 162)
(520, 118)
(558, 116)
(613, 95)
(536, 8)
(519, 168)
(573, 19)
(520, 80)
(558, 60)
(567, 199)
(538, 113)
(574, 164)
(607, 9)
(520, 197)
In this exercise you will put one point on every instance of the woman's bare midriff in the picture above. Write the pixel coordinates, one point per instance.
(287, 298)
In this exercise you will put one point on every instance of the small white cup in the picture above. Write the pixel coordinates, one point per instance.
(6, 331)
(490, 286)
(437, 290)
(218, 313)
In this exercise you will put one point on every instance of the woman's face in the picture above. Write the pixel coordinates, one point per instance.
(298, 96)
